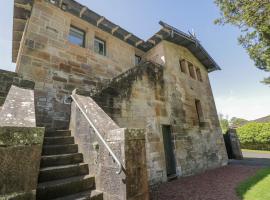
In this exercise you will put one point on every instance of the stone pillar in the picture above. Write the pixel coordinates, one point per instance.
(233, 145)
(132, 183)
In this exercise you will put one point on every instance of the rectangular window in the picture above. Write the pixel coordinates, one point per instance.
(183, 65)
(199, 110)
(100, 46)
(137, 60)
(76, 36)
(191, 70)
(199, 75)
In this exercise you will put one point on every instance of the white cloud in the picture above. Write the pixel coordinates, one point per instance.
(251, 107)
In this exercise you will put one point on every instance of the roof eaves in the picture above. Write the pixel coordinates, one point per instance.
(214, 66)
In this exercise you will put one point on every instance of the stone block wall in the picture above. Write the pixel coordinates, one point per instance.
(20, 146)
(127, 144)
(137, 100)
(20, 153)
(57, 66)
(199, 144)
(7, 79)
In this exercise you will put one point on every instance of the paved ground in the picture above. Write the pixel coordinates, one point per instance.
(251, 154)
(217, 184)
(253, 159)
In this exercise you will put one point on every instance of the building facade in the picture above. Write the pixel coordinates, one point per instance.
(160, 85)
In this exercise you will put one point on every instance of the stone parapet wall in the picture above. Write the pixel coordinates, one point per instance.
(7, 79)
(127, 144)
(20, 153)
(20, 146)
(19, 108)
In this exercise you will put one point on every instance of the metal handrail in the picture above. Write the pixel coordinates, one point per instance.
(120, 167)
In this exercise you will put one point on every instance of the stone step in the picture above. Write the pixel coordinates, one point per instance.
(88, 195)
(58, 140)
(61, 172)
(59, 149)
(64, 187)
(63, 159)
(58, 133)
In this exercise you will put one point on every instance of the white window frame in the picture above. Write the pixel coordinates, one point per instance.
(100, 41)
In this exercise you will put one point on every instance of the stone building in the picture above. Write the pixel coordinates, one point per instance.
(160, 85)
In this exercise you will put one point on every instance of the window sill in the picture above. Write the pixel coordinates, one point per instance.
(76, 46)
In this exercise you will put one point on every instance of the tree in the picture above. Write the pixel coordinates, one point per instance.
(255, 136)
(224, 123)
(253, 19)
(237, 122)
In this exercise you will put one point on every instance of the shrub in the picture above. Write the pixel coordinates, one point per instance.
(255, 135)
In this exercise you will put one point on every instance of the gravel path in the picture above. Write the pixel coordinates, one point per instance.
(251, 154)
(216, 184)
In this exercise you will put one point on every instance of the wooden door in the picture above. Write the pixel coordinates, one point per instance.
(168, 148)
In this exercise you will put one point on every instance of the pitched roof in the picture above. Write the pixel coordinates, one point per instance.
(22, 10)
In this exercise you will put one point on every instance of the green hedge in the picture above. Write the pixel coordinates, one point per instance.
(255, 136)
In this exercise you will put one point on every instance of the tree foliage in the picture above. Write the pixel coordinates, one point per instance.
(253, 18)
(236, 122)
(254, 134)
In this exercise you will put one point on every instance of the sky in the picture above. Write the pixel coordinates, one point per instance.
(236, 88)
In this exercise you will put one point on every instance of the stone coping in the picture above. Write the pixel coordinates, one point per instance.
(19, 108)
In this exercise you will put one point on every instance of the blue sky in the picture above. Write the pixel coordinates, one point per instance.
(237, 88)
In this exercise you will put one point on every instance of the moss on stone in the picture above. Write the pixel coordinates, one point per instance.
(122, 84)
(13, 136)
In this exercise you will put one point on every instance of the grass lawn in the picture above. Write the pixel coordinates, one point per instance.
(256, 187)
(256, 151)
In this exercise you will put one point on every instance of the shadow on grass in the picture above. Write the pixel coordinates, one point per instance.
(251, 182)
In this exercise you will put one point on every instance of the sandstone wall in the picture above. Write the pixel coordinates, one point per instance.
(198, 146)
(20, 146)
(166, 96)
(128, 145)
(7, 79)
(58, 66)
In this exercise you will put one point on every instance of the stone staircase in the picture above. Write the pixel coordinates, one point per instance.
(63, 175)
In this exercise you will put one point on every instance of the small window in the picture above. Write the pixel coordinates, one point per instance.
(183, 65)
(199, 75)
(191, 70)
(199, 110)
(76, 36)
(100, 46)
(137, 60)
